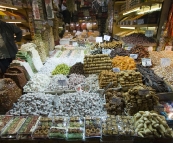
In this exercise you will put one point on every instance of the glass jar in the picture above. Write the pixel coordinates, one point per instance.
(78, 26)
(72, 26)
(95, 25)
(89, 26)
(83, 26)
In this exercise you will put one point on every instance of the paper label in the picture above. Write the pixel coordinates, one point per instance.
(116, 100)
(165, 62)
(106, 51)
(12, 17)
(168, 48)
(99, 39)
(134, 56)
(128, 48)
(149, 33)
(150, 48)
(116, 69)
(146, 62)
(62, 82)
(74, 44)
(143, 92)
(107, 38)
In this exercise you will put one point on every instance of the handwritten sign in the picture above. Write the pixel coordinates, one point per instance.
(116, 100)
(106, 51)
(99, 39)
(146, 62)
(165, 62)
(62, 82)
(134, 56)
(107, 38)
(116, 69)
(168, 48)
(150, 48)
(149, 33)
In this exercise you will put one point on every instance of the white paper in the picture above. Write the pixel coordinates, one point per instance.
(107, 38)
(165, 62)
(99, 39)
(150, 48)
(134, 56)
(149, 33)
(116, 69)
(106, 51)
(168, 48)
(146, 62)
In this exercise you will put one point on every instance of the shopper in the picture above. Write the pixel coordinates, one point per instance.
(8, 49)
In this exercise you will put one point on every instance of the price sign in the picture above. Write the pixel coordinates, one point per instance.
(128, 48)
(150, 48)
(116, 100)
(149, 33)
(99, 39)
(168, 48)
(165, 62)
(107, 38)
(62, 82)
(134, 56)
(116, 69)
(146, 62)
(12, 17)
(50, 22)
(143, 92)
(106, 51)
(74, 44)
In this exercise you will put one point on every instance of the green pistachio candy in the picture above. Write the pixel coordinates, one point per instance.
(61, 69)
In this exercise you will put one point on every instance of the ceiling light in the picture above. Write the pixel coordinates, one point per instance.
(1, 9)
(1, 6)
(13, 22)
(128, 27)
(133, 10)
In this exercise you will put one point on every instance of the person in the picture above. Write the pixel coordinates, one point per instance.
(8, 48)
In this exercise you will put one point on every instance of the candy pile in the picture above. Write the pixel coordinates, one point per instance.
(38, 82)
(93, 81)
(33, 104)
(77, 69)
(111, 45)
(119, 52)
(96, 63)
(107, 77)
(75, 79)
(73, 104)
(124, 63)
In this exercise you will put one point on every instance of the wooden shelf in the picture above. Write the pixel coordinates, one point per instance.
(139, 5)
(16, 20)
(119, 2)
(9, 5)
(142, 25)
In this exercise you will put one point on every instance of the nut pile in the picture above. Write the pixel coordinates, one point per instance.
(124, 63)
(111, 45)
(33, 104)
(61, 69)
(107, 77)
(77, 69)
(75, 79)
(74, 104)
(151, 124)
(138, 39)
(151, 79)
(136, 101)
(165, 73)
(38, 82)
(114, 102)
(96, 51)
(141, 51)
(119, 52)
(156, 56)
(129, 78)
(96, 63)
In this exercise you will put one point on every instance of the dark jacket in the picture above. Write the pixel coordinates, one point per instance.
(8, 31)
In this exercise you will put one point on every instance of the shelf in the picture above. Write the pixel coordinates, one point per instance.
(142, 25)
(139, 5)
(9, 5)
(119, 2)
(16, 20)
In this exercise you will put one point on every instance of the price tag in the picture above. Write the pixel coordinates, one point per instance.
(5, 17)
(106, 51)
(116, 100)
(107, 38)
(134, 56)
(99, 39)
(146, 62)
(62, 82)
(128, 48)
(143, 92)
(150, 48)
(149, 33)
(165, 62)
(116, 69)
(168, 48)
(50, 22)
(12, 17)
(74, 44)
